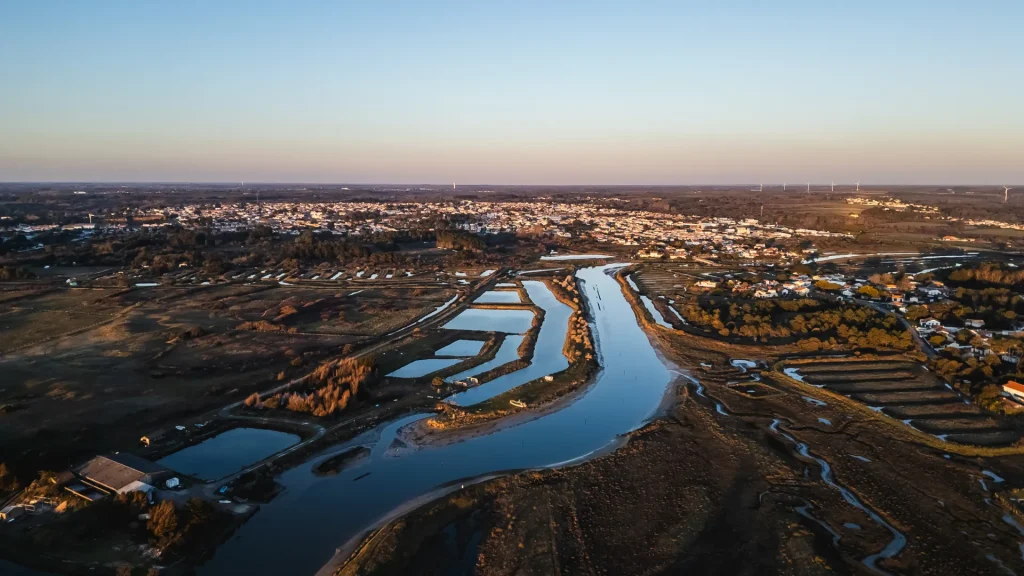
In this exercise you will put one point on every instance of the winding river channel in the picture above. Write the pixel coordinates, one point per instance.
(300, 530)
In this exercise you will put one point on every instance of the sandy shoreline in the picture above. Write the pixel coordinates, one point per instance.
(420, 435)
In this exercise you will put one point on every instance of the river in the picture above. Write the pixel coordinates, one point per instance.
(299, 531)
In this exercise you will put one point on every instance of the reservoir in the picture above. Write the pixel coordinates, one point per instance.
(499, 297)
(487, 320)
(314, 515)
(461, 348)
(418, 368)
(228, 452)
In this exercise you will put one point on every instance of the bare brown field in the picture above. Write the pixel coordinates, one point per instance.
(34, 319)
(104, 367)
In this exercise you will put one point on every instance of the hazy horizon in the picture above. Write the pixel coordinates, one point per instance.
(526, 93)
(469, 186)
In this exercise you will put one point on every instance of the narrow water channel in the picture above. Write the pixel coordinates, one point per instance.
(899, 540)
(299, 531)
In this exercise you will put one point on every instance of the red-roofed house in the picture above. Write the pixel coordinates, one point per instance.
(1014, 390)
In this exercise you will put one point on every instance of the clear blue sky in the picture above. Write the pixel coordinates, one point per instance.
(431, 91)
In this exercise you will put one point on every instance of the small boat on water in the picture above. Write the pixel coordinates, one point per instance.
(517, 403)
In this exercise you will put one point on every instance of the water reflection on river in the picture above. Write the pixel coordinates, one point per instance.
(300, 530)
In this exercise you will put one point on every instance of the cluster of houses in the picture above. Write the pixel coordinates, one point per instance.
(715, 248)
(601, 223)
(975, 327)
(797, 286)
(892, 204)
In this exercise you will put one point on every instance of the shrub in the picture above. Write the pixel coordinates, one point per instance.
(163, 524)
(253, 400)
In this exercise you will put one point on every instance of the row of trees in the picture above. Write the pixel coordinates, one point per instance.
(459, 240)
(976, 377)
(987, 274)
(775, 319)
(998, 307)
(333, 387)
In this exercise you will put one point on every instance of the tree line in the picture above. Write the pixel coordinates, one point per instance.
(332, 387)
(820, 323)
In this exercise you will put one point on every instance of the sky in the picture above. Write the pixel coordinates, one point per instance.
(516, 92)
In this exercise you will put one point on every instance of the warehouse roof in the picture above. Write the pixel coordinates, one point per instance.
(115, 471)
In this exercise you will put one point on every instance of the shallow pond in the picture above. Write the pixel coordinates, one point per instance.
(507, 352)
(499, 297)
(508, 321)
(461, 348)
(418, 368)
(314, 516)
(228, 452)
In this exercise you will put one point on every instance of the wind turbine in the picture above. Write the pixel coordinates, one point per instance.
(783, 186)
(833, 185)
(1006, 193)
(808, 186)
(858, 185)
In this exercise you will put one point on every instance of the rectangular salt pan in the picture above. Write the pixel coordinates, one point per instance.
(499, 297)
(462, 348)
(508, 321)
(423, 367)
